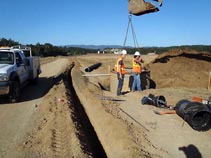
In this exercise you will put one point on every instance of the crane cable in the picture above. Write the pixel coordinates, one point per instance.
(133, 33)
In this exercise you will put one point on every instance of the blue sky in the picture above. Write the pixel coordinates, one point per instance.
(63, 22)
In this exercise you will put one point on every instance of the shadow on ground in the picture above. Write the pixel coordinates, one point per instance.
(36, 90)
(191, 151)
(200, 56)
(40, 89)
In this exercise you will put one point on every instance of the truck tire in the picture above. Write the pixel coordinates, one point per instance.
(14, 93)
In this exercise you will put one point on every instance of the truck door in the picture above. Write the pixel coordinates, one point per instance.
(22, 69)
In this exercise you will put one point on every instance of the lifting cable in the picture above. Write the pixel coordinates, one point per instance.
(133, 32)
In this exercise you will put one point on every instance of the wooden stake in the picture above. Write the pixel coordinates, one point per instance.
(109, 72)
(209, 81)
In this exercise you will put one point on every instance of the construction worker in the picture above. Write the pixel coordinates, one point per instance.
(120, 70)
(137, 69)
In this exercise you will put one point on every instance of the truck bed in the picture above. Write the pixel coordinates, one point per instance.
(34, 67)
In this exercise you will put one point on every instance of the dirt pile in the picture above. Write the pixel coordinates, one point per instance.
(181, 69)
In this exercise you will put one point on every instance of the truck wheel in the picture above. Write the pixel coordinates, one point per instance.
(14, 94)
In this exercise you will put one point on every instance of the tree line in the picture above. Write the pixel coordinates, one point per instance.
(48, 49)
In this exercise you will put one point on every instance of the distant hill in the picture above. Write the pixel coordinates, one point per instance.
(100, 47)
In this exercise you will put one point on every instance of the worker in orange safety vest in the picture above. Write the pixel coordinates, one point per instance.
(120, 70)
(137, 69)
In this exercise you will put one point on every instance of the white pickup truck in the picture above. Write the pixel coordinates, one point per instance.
(16, 70)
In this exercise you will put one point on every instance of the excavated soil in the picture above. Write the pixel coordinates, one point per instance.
(181, 69)
(81, 116)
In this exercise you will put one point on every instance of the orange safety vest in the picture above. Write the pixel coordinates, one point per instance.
(122, 67)
(136, 67)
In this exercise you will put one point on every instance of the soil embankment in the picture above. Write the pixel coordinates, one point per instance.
(181, 69)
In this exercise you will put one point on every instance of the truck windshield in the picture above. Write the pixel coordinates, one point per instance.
(6, 57)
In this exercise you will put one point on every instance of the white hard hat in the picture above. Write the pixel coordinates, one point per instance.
(123, 52)
(137, 53)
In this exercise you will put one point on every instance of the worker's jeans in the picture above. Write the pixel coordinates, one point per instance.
(120, 84)
(136, 82)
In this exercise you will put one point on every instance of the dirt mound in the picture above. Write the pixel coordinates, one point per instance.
(181, 69)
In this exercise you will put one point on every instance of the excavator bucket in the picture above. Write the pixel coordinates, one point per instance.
(140, 7)
(160, 2)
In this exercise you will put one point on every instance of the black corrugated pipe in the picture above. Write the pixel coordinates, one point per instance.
(196, 114)
(159, 101)
(93, 67)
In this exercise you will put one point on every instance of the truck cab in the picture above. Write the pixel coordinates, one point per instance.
(16, 70)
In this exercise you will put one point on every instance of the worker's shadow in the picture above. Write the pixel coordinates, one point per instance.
(191, 151)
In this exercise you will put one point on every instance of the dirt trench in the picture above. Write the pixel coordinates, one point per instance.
(63, 128)
(87, 135)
